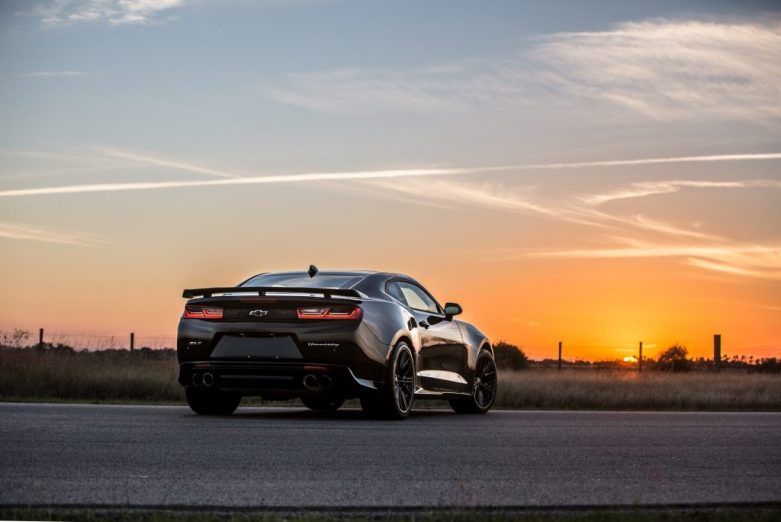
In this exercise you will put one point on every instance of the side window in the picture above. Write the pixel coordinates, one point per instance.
(394, 290)
(417, 298)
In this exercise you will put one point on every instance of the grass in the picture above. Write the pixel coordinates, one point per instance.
(150, 376)
(101, 376)
(625, 390)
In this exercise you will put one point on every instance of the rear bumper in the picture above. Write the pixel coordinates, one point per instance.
(346, 349)
(274, 378)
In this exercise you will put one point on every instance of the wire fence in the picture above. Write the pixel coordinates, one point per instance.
(89, 341)
(82, 340)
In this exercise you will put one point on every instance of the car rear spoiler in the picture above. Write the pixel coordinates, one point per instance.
(327, 293)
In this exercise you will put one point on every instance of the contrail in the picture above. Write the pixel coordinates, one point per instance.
(643, 161)
(292, 178)
(358, 175)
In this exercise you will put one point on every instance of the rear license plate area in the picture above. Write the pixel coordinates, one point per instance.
(233, 346)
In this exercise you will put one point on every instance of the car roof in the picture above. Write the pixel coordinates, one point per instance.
(363, 274)
(303, 273)
(355, 273)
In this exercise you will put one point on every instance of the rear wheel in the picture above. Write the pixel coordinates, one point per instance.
(323, 403)
(394, 399)
(483, 387)
(211, 402)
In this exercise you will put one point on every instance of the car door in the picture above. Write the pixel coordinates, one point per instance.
(442, 359)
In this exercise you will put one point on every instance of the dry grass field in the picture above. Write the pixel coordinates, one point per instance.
(628, 390)
(102, 376)
(150, 376)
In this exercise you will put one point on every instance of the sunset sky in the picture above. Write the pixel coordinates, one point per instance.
(598, 173)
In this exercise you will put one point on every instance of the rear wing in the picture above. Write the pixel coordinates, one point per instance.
(326, 293)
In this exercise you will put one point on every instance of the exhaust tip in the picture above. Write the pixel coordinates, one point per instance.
(208, 379)
(326, 382)
(197, 379)
(311, 383)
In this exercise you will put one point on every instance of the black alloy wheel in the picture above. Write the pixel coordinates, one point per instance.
(403, 380)
(484, 387)
(394, 399)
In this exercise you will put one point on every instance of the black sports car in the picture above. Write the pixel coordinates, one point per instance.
(330, 336)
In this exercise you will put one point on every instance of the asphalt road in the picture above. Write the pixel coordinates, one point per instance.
(165, 455)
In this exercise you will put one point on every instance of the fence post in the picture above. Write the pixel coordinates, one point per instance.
(559, 355)
(132, 340)
(717, 352)
(640, 359)
(40, 336)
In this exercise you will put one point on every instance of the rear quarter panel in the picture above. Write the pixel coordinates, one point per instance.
(389, 323)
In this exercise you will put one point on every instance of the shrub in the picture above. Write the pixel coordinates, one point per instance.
(674, 359)
(509, 357)
(15, 339)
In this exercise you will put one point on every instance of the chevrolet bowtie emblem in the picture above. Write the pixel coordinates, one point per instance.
(258, 313)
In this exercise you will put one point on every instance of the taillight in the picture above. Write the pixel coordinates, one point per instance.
(202, 312)
(329, 312)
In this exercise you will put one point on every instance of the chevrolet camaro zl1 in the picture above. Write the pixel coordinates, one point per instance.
(325, 337)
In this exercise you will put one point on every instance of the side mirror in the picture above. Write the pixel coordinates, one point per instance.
(452, 309)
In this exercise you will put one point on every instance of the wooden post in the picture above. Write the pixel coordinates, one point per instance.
(132, 340)
(717, 352)
(559, 355)
(40, 336)
(640, 359)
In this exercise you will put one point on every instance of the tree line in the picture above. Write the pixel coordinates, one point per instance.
(674, 359)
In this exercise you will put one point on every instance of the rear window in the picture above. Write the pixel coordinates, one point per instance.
(304, 281)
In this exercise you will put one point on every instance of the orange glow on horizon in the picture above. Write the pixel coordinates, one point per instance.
(597, 316)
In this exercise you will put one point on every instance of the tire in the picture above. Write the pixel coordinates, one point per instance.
(394, 399)
(323, 403)
(484, 387)
(211, 402)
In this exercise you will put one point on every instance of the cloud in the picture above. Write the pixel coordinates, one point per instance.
(56, 13)
(667, 229)
(765, 264)
(653, 250)
(651, 188)
(708, 251)
(671, 69)
(758, 261)
(114, 153)
(350, 90)
(31, 233)
(664, 69)
(484, 195)
(499, 197)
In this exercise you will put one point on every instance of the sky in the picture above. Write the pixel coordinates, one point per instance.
(597, 173)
